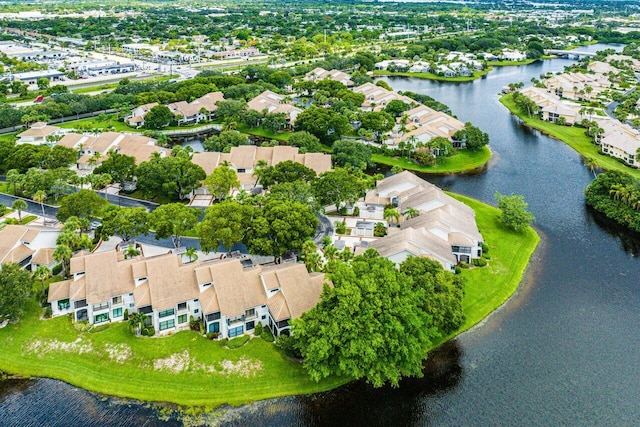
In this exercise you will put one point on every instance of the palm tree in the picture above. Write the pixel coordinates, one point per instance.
(62, 254)
(192, 253)
(592, 165)
(259, 169)
(40, 197)
(42, 273)
(14, 177)
(136, 322)
(391, 213)
(411, 213)
(131, 252)
(19, 205)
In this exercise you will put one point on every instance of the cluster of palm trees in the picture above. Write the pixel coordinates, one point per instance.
(628, 194)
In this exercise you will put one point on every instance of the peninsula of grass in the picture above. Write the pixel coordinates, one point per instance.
(103, 125)
(430, 76)
(574, 137)
(190, 370)
(510, 63)
(263, 133)
(487, 288)
(463, 161)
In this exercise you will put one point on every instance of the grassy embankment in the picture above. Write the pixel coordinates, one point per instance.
(430, 76)
(574, 137)
(190, 370)
(463, 161)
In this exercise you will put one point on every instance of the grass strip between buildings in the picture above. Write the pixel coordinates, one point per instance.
(190, 370)
(463, 161)
(574, 137)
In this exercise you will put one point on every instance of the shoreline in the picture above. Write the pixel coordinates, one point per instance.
(205, 390)
(477, 161)
(572, 136)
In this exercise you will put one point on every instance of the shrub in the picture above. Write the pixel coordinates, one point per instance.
(458, 269)
(479, 262)
(464, 265)
(99, 328)
(82, 326)
(356, 211)
(56, 269)
(151, 331)
(267, 335)
(126, 313)
(224, 341)
(213, 335)
(47, 311)
(485, 248)
(288, 345)
(11, 221)
(238, 342)
(341, 227)
(201, 327)
(3, 209)
(258, 330)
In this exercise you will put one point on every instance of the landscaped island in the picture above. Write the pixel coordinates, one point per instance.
(190, 370)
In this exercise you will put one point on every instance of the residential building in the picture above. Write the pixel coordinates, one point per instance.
(421, 124)
(193, 112)
(38, 134)
(27, 246)
(377, 98)
(271, 102)
(620, 140)
(445, 229)
(229, 298)
(319, 73)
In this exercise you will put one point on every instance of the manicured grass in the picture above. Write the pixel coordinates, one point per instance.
(261, 132)
(574, 137)
(257, 370)
(464, 161)
(487, 288)
(94, 123)
(8, 137)
(90, 89)
(510, 63)
(430, 76)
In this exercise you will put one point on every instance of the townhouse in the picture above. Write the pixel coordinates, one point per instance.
(271, 102)
(27, 246)
(377, 98)
(620, 140)
(194, 112)
(245, 158)
(319, 73)
(227, 296)
(38, 134)
(444, 229)
(421, 124)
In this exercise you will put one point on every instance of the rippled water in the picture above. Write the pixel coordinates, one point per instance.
(563, 351)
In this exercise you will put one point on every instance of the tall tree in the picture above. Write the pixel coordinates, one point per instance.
(15, 289)
(125, 223)
(39, 197)
(175, 176)
(172, 220)
(19, 205)
(226, 222)
(42, 273)
(280, 226)
(337, 187)
(83, 204)
(120, 166)
(368, 325)
(222, 180)
(515, 214)
(158, 117)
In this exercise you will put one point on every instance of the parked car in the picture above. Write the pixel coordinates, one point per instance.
(38, 99)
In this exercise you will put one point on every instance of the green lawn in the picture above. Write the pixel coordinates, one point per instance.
(487, 288)
(574, 137)
(464, 161)
(261, 132)
(8, 137)
(187, 369)
(430, 76)
(94, 123)
(510, 63)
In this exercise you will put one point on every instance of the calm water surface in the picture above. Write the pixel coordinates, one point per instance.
(563, 351)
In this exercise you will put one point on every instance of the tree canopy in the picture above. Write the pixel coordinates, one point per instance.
(120, 166)
(225, 222)
(222, 180)
(351, 153)
(175, 176)
(326, 125)
(337, 187)
(15, 290)
(473, 137)
(370, 324)
(514, 213)
(172, 220)
(83, 204)
(125, 223)
(158, 117)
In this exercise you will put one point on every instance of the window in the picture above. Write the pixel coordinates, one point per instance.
(165, 313)
(196, 311)
(100, 318)
(264, 316)
(214, 327)
(117, 312)
(213, 316)
(182, 319)
(234, 332)
(167, 324)
(250, 313)
(80, 304)
(250, 326)
(182, 306)
(116, 300)
(63, 304)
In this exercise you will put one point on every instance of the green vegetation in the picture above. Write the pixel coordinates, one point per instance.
(462, 161)
(264, 133)
(110, 123)
(489, 287)
(574, 137)
(49, 348)
(510, 63)
(616, 195)
(430, 76)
